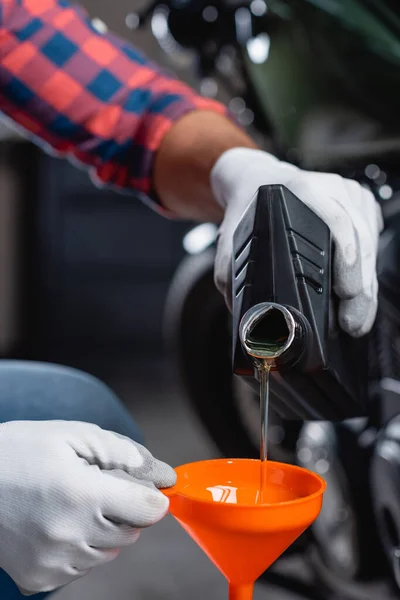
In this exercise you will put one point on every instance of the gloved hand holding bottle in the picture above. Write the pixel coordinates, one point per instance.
(71, 496)
(208, 169)
(350, 211)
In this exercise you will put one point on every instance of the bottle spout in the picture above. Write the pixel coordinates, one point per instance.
(273, 333)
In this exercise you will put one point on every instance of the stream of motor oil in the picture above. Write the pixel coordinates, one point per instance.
(264, 366)
(264, 369)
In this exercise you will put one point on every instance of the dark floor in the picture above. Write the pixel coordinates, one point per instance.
(166, 564)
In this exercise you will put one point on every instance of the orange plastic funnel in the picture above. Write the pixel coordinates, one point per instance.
(217, 502)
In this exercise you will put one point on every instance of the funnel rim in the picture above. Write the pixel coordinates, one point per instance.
(169, 492)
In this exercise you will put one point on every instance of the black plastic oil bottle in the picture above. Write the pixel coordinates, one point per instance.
(282, 259)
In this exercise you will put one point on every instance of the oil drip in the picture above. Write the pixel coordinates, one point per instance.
(264, 369)
(267, 332)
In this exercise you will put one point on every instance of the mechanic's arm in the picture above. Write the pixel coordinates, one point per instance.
(91, 96)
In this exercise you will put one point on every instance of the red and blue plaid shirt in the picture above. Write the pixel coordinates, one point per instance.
(87, 95)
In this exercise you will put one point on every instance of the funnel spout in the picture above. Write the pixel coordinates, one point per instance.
(241, 592)
(273, 333)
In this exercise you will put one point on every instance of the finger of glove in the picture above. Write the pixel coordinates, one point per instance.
(379, 218)
(223, 270)
(114, 535)
(25, 592)
(365, 213)
(50, 582)
(360, 205)
(154, 471)
(223, 263)
(95, 557)
(110, 533)
(51, 588)
(86, 559)
(357, 315)
(134, 503)
(365, 205)
(111, 451)
(346, 263)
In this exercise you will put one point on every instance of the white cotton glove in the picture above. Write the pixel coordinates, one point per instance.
(71, 495)
(350, 211)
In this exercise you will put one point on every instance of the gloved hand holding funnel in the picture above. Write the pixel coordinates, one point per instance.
(71, 496)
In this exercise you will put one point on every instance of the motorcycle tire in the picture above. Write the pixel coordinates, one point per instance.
(345, 538)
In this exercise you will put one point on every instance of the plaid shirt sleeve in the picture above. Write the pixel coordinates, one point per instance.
(86, 95)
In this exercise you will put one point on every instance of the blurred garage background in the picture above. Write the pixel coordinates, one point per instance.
(85, 275)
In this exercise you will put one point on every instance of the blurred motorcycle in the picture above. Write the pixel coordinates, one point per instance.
(313, 81)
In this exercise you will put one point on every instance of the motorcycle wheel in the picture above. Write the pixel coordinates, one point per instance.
(345, 544)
